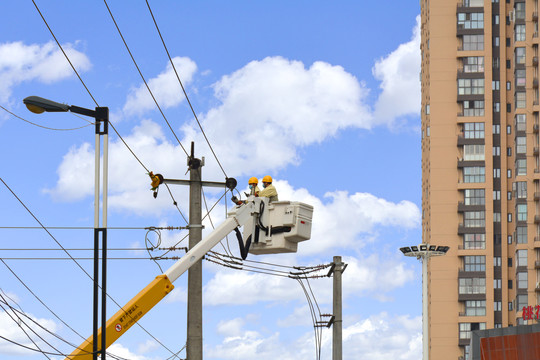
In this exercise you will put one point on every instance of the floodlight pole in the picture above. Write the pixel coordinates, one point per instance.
(424, 252)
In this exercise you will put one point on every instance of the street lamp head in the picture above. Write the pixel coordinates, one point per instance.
(39, 105)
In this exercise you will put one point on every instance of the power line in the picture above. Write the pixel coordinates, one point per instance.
(41, 126)
(144, 80)
(90, 277)
(184, 90)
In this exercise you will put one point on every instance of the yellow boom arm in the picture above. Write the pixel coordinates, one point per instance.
(147, 298)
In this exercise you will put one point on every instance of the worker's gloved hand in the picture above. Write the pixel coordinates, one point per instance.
(235, 200)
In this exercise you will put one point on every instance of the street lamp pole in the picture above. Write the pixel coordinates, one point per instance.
(423, 252)
(39, 105)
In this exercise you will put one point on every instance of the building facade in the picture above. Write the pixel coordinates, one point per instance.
(480, 166)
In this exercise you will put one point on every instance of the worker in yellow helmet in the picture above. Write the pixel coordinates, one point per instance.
(269, 190)
(253, 183)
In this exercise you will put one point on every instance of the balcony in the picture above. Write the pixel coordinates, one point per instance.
(535, 16)
(537, 196)
(537, 264)
(535, 83)
(536, 127)
(536, 151)
(537, 219)
(535, 60)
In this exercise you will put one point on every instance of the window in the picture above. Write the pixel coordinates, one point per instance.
(496, 41)
(509, 216)
(496, 261)
(520, 187)
(509, 173)
(465, 329)
(521, 301)
(474, 218)
(496, 173)
(427, 109)
(520, 10)
(496, 217)
(521, 211)
(521, 122)
(496, 129)
(508, 85)
(510, 306)
(508, 151)
(508, 195)
(521, 257)
(496, 151)
(495, 85)
(521, 144)
(519, 33)
(473, 42)
(496, 106)
(496, 195)
(469, 286)
(474, 174)
(475, 197)
(473, 152)
(497, 305)
(521, 100)
(521, 167)
(470, 86)
(475, 308)
(473, 64)
(521, 234)
(520, 55)
(522, 279)
(473, 108)
(474, 263)
(473, 130)
(473, 3)
(520, 76)
(470, 20)
(474, 241)
(508, 127)
(497, 284)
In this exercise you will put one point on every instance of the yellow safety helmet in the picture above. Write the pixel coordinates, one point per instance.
(253, 180)
(267, 179)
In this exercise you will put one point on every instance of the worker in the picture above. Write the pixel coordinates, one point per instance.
(269, 190)
(253, 186)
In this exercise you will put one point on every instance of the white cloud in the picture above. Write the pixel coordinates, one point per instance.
(164, 86)
(400, 83)
(11, 330)
(379, 337)
(373, 276)
(271, 108)
(45, 63)
(120, 351)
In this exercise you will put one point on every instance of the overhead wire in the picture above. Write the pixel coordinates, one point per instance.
(143, 78)
(183, 89)
(84, 271)
(41, 126)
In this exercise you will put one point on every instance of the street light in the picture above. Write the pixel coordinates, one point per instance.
(40, 105)
(423, 252)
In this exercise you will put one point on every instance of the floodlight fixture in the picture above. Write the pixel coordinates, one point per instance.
(405, 249)
(432, 247)
(414, 248)
(423, 247)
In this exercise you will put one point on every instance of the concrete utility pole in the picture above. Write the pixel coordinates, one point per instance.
(194, 301)
(337, 325)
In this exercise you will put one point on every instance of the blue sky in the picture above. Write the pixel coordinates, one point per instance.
(325, 97)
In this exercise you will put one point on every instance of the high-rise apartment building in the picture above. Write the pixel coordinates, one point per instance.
(480, 166)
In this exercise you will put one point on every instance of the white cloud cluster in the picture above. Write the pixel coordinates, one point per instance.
(12, 330)
(400, 82)
(44, 63)
(379, 337)
(271, 108)
(372, 276)
(164, 86)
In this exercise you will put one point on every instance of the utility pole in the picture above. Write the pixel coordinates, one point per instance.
(337, 269)
(194, 301)
(337, 339)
